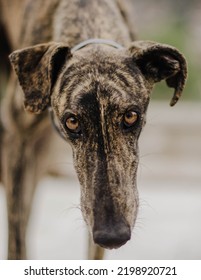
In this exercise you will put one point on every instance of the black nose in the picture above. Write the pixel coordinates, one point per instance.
(112, 237)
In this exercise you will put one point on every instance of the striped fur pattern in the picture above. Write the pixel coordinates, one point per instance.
(106, 155)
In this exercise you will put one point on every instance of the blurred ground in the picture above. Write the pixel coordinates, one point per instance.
(169, 183)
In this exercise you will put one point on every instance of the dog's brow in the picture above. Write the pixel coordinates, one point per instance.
(112, 70)
(119, 84)
(70, 77)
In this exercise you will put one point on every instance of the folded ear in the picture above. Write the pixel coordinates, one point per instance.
(161, 62)
(37, 69)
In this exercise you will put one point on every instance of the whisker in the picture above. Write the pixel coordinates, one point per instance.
(147, 155)
(70, 208)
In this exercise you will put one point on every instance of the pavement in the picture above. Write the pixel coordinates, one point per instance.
(169, 184)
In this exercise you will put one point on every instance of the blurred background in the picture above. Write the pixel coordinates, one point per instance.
(169, 176)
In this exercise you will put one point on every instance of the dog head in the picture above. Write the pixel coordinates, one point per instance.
(100, 97)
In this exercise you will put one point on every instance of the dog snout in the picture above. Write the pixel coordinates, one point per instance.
(112, 237)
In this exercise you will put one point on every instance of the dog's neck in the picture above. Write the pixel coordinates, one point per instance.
(75, 23)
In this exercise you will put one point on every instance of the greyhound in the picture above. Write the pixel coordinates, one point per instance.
(77, 59)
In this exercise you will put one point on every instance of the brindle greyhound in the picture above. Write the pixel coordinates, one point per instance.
(98, 93)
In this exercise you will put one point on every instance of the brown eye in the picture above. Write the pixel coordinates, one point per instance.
(72, 124)
(130, 118)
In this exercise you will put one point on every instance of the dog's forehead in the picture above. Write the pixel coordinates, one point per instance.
(111, 79)
(100, 55)
(101, 63)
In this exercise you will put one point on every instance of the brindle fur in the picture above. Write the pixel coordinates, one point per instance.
(97, 83)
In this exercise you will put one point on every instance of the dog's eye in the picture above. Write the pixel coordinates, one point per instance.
(130, 118)
(72, 124)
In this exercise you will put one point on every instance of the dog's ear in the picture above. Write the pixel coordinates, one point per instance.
(37, 69)
(161, 62)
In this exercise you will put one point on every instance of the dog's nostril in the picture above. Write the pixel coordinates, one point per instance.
(112, 238)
